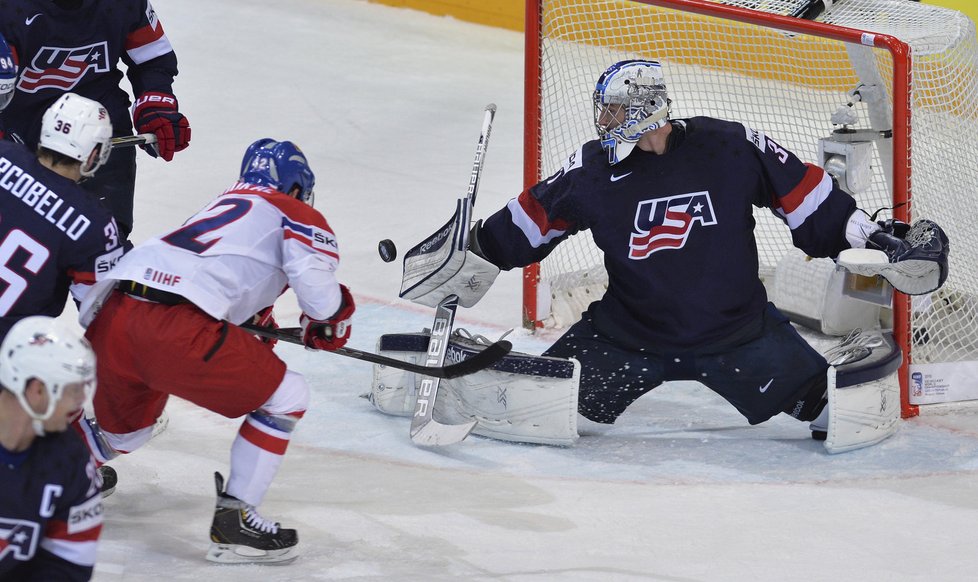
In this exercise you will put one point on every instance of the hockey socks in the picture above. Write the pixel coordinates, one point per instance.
(257, 453)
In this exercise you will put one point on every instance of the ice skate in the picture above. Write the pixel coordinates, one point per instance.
(240, 535)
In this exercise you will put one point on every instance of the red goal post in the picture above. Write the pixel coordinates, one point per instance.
(785, 76)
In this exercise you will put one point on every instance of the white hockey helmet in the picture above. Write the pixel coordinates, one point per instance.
(629, 99)
(50, 350)
(77, 126)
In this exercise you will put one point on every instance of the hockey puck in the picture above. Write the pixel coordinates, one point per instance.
(387, 250)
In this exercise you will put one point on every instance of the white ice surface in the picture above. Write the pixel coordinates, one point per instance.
(387, 105)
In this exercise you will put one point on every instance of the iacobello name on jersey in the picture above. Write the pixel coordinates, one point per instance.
(44, 201)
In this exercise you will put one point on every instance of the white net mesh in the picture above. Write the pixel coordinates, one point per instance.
(788, 86)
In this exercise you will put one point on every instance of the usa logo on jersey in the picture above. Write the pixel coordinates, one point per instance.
(18, 538)
(664, 223)
(62, 68)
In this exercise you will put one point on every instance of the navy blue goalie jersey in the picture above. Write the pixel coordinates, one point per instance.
(50, 510)
(676, 229)
(55, 238)
(78, 49)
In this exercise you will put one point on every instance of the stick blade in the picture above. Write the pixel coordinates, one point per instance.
(436, 434)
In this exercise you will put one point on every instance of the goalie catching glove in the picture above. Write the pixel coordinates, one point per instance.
(448, 263)
(330, 334)
(914, 259)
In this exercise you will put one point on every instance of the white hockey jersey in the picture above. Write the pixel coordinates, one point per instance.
(236, 256)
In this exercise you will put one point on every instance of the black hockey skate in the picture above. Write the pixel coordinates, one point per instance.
(109, 480)
(240, 536)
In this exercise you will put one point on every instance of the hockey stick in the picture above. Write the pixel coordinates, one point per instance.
(804, 9)
(425, 430)
(134, 140)
(812, 9)
(492, 354)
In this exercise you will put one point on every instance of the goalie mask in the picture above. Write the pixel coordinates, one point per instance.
(280, 165)
(629, 99)
(51, 351)
(8, 74)
(79, 128)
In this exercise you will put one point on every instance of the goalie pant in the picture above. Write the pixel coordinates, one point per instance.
(767, 368)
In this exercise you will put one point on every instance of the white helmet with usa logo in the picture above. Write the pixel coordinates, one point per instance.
(79, 128)
(49, 350)
(630, 99)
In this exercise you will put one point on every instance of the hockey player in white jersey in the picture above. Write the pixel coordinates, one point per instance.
(168, 324)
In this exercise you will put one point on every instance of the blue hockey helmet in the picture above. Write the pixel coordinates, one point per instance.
(8, 74)
(280, 165)
(630, 99)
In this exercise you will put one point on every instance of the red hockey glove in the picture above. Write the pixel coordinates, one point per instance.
(265, 318)
(332, 333)
(157, 113)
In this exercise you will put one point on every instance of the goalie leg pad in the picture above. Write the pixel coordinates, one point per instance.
(522, 398)
(863, 392)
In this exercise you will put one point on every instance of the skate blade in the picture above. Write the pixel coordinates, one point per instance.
(238, 554)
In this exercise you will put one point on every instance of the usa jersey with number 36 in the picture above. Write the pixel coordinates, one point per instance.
(237, 255)
(676, 229)
(50, 510)
(54, 238)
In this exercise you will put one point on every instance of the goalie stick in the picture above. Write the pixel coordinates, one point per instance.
(484, 359)
(425, 430)
(134, 140)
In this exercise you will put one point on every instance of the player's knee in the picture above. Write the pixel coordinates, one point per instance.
(290, 398)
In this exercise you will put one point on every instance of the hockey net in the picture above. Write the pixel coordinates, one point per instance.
(743, 60)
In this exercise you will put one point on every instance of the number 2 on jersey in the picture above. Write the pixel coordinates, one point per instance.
(188, 236)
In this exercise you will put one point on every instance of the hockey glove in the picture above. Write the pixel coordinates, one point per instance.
(330, 334)
(917, 255)
(157, 113)
(265, 318)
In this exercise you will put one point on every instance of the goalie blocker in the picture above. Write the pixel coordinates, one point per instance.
(442, 265)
